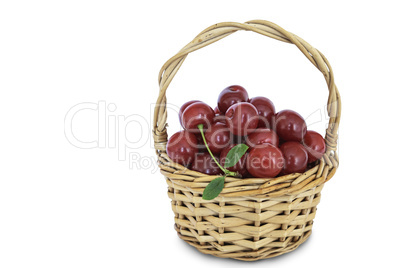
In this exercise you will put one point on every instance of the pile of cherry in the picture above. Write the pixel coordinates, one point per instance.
(273, 143)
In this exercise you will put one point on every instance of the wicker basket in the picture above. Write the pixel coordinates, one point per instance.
(253, 218)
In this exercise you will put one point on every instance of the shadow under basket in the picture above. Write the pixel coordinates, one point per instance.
(252, 218)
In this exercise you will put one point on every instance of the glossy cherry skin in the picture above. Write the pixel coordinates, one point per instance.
(195, 114)
(314, 144)
(182, 147)
(231, 95)
(290, 126)
(242, 118)
(265, 161)
(239, 167)
(183, 107)
(204, 163)
(266, 110)
(295, 156)
(261, 136)
(218, 137)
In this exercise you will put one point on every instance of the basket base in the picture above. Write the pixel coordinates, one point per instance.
(215, 249)
(244, 228)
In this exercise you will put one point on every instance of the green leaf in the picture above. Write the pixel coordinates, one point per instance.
(213, 189)
(235, 154)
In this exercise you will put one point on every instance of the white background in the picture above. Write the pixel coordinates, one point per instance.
(65, 206)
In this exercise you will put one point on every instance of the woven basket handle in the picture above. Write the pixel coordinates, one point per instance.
(266, 28)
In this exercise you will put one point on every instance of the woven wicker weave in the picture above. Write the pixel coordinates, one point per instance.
(253, 218)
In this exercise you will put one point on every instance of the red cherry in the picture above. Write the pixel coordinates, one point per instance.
(240, 166)
(314, 144)
(231, 95)
(181, 147)
(205, 164)
(262, 135)
(290, 125)
(184, 106)
(195, 114)
(295, 156)
(218, 137)
(265, 161)
(242, 118)
(266, 110)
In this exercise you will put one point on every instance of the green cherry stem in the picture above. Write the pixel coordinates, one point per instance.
(227, 172)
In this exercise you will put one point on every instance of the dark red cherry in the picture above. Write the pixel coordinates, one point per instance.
(290, 126)
(239, 167)
(182, 147)
(205, 164)
(183, 107)
(195, 114)
(262, 135)
(295, 156)
(266, 110)
(242, 118)
(315, 145)
(218, 137)
(231, 95)
(265, 161)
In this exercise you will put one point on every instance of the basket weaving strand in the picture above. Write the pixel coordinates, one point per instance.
(252, 218)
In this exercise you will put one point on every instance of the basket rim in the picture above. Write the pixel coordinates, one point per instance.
(286, 185)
